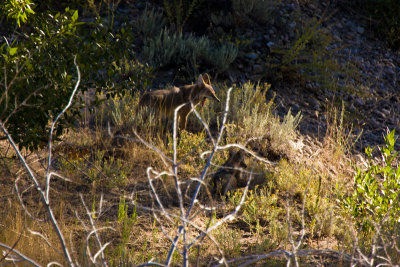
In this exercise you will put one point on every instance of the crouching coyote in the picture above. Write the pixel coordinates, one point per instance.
(230, 175)
(165, 101)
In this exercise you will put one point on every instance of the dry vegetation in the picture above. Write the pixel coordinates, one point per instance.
(114, 175)
(123, 188)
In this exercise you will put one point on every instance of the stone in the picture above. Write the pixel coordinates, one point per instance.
(257, 68)
(295, 108)
(359, 101)
(270, 44)
(252, 56)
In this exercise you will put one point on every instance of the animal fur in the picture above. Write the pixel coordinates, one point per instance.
(165, 101)
(230, 176)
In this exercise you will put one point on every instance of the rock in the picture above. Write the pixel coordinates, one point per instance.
(359, 101)
(252, 56)
(314, 104)
(295, 108)
(257, 68)
(385, 112)
(270, 44)
(390, 71)
(337, 38)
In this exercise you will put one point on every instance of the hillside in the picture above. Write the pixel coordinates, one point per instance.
(296, 165)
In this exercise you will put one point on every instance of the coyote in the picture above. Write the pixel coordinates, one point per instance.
(167, 100)
(230, 175)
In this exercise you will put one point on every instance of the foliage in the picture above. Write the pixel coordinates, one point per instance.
(18, 10)
(187, 52)
(149, 24)
(308, 58)
(229, 240)
(376, 194)
(223, 56)
(179, 11)
(97, 169)
(261, 209)
(38, 72)
(260, 10)
(127, 222)
(38, 77)
(251, 117)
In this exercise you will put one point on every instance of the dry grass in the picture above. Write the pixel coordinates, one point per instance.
(104, 169)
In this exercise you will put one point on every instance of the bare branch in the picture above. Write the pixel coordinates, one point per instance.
(47, 187)
(44, 194)
(20, 255)
(95, 232)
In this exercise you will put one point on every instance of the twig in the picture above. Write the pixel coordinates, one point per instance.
(48, 173)
(22, 256)
(44, 193)
(95, 232)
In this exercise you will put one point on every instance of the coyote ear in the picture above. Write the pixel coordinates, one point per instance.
(207, 79)
(200, 80)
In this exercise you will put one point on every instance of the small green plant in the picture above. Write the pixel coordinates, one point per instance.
(97, 169)
(127, 222)
(149, 24)
(376, 194)
(179, 11)
(229, 239)
(223, 56)
(308, 58)
(189, 52)
(261, 213)
(161, 50)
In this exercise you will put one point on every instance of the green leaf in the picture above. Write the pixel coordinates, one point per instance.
(75, 16)
(12, 50)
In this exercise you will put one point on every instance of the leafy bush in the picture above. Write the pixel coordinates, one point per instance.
(38, 73)
(376, 194)
(188, 52)
(38, 77)
(18, 10)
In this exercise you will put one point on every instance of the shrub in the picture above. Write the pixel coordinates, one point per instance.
(179, 11)
(260, 10)
(39, 74)
(307, 58)
(149, 24)
(376, 195)
(189, 52)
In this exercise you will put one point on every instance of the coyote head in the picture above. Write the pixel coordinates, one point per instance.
(205, 89)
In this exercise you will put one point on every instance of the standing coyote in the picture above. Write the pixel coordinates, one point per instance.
(165, 101)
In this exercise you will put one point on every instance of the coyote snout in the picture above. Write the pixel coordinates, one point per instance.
(166, 101)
